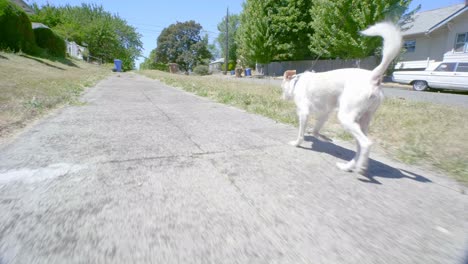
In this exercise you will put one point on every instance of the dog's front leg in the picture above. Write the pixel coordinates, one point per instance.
(303, 117)
(320, 121)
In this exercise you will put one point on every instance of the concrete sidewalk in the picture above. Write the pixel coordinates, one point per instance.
(145, 173)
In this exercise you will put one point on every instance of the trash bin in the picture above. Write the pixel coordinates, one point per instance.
(173, 68)
(233, 72)
(118, 65)
(248, 72)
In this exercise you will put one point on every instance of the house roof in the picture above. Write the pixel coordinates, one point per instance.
(218, 61)
(38, 25)
(23, 5)
(428, 21)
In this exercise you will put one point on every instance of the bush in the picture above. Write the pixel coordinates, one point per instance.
(231, 65)
(149, 65)
(201, 70)
(15, 31)
(51, 42)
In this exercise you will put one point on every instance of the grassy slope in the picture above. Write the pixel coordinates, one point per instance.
(415, 133)
(30, 86)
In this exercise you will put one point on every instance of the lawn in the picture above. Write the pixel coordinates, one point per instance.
(30, 87)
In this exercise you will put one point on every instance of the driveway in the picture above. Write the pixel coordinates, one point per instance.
(145, 173)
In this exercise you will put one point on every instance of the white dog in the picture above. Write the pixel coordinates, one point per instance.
(355, 92)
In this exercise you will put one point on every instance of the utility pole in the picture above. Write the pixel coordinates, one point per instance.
(226, 59)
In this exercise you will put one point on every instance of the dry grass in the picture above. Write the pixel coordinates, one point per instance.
(30, 86)
(415, 133)
(425, 133)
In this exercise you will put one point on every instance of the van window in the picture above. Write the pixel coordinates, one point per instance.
(462, 67)
(446, 67)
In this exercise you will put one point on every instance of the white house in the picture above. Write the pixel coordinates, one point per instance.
(436, 35)
(75, 50)
(215, 66)
(24, 6)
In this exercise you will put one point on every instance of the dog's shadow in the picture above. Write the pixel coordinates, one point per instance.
(376, 168)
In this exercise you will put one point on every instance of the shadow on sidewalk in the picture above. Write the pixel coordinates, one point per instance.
(376, 168)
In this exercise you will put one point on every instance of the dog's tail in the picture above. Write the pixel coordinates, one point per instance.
(392, 42)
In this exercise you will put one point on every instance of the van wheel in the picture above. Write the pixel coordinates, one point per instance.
(420, 86)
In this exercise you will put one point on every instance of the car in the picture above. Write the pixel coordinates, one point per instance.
(446, 75)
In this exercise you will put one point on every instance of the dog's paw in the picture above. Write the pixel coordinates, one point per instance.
(295, 143)
(348, 167)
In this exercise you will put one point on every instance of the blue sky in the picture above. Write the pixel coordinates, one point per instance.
(150, 17)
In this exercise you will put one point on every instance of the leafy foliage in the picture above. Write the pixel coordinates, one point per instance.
(215, 52)
(255, 39)
(51, 42)
(107, 36)
(337, 25)
(234, 22)
(275, 30)
(15, 31)
(181, 43)
(151, 64)
(300, 29)
(201, 70)
(290, 28)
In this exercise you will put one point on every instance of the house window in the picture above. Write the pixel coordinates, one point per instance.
(461, 42)
(410, 45)
(462, 67)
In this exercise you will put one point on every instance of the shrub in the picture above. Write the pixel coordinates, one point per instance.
(149, 65)
(231, 65)
(15, 31)
(51, 42)
(201, 70)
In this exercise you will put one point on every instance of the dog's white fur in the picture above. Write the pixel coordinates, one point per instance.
(355, 92)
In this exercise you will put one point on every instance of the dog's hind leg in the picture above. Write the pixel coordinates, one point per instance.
(360, 162)
(303, 117)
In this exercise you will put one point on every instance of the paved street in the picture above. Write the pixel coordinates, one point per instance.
(444, 98)
(145, 173)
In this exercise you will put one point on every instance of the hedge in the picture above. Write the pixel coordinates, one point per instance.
(15, 31)
(51, 42)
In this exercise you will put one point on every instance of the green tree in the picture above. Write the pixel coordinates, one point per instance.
(151, 64)
(214, 50)
(254, 37)
(290, 28)
(108, 36)
(182, 43)
(337, 24)
(234, 22)
(275, 30)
